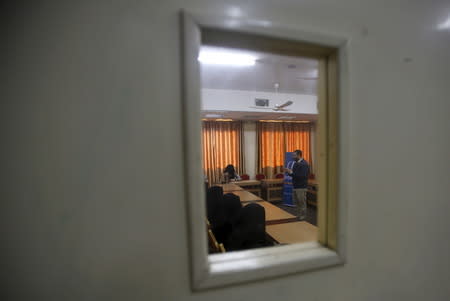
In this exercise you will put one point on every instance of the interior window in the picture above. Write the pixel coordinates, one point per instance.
(260, 125)
(259, 121)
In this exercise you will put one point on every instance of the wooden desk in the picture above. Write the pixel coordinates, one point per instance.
(313, 188)
(273, 185)
(290, 233)
(244, 183)
(275, 215)
(229, 187)
(272, 181)
(247, 196)
(253, 186)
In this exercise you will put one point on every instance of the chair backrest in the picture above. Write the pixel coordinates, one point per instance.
(260, 176)
(245, 177)
(279, 176)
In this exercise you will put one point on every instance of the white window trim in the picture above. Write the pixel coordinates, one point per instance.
(216, 270)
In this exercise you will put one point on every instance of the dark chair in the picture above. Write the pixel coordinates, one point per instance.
(245, 177)
(260, 177)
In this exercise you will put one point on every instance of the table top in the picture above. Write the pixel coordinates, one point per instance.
(275, 215)
(247, 196)
(295, 232)
(248, 183)
(272, 181)
(229, 187)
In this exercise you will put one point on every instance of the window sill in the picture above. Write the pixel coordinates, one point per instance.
(243, 266)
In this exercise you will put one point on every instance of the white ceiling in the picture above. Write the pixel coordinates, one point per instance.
(294, 75)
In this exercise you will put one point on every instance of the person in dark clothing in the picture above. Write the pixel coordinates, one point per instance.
(299, 174)
(231, 209)
(214, 197)
(230, 174)
(222, 212)
(249, 230)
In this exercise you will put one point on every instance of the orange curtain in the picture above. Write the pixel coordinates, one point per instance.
(221, 145)
(277, 138)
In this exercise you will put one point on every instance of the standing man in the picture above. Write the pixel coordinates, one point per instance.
(299, 174)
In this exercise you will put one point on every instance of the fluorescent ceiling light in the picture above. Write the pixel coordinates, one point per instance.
(286, 117)
(213, 115)
(220, 57)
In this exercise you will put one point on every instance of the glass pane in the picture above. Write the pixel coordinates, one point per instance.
(257, 109)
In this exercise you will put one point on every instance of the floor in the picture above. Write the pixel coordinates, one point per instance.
(311, 212)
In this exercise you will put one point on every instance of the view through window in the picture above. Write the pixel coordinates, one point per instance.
(259, 149)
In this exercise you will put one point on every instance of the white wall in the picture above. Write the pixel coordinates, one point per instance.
(92, 199)
(235, 100)
(250, 148)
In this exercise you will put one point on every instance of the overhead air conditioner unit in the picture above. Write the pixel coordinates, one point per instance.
(261, 102)
(264, 104)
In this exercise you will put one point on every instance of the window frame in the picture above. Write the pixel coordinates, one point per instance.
(217, 270)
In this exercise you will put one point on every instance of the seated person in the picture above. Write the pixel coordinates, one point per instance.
(222, 212)
(229, 174)
(249, 229)
(231, 209)
(214, 209)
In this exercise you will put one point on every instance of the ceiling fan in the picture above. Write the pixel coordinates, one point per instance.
(277, 107)
(264, 103)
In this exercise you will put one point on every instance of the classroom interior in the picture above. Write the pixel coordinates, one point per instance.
(257, 108)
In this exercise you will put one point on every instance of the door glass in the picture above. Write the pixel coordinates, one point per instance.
(257, 110)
